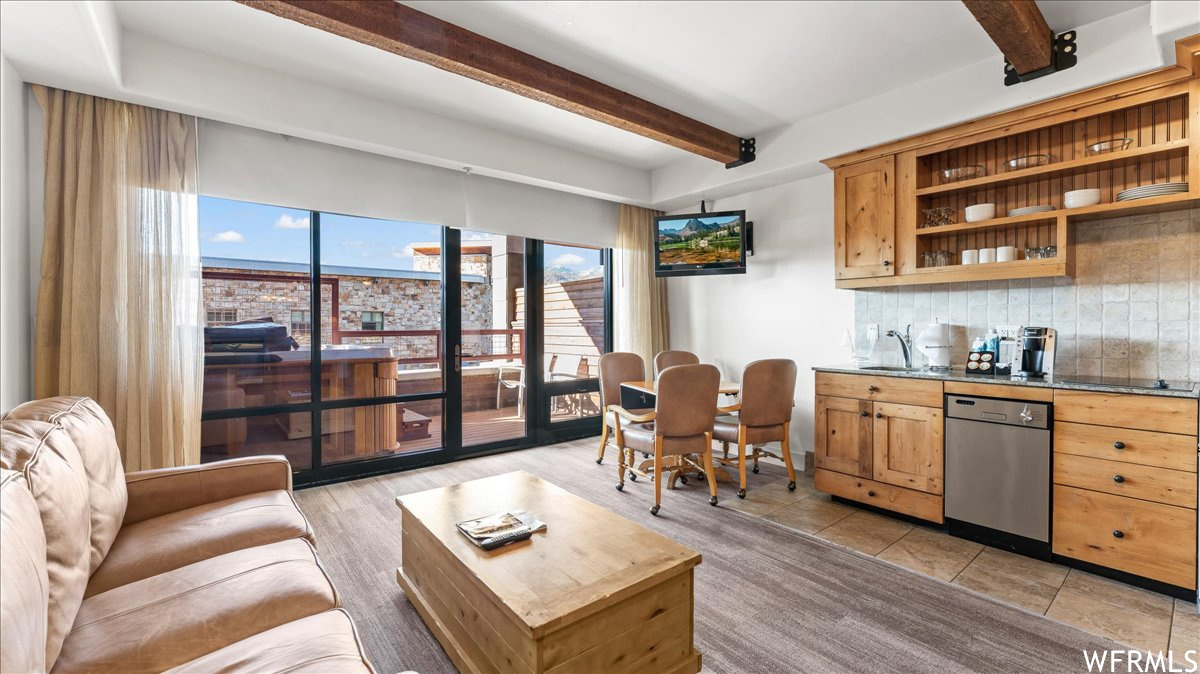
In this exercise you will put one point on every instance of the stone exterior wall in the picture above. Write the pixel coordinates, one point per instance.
(406, 304)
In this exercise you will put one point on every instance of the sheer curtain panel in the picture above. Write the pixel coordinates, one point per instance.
(640, 319)
(118, 313)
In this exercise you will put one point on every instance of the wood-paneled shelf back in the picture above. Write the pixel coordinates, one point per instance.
(884, 236)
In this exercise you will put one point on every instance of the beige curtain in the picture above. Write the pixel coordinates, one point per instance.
(640, 300)
(118, 314)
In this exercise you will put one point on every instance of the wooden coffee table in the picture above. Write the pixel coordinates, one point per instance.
(595, 592)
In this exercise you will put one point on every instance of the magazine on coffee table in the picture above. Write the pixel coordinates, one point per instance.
(498, 529)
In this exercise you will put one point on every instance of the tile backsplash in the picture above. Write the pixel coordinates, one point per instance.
(1132, 308)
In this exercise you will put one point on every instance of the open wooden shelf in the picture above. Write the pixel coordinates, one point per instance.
(1168, 150)
(999, 269)
(1099, 210)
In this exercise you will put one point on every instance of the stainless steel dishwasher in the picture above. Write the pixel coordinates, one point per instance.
(998, 473)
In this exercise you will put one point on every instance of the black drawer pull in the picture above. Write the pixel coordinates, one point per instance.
(870, 492)
(1118, 445)
(872, 389)
(879, 415)
(1118, 478)
(865, 413)
(1117, 533)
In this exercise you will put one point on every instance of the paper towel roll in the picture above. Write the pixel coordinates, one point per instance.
(934, 342)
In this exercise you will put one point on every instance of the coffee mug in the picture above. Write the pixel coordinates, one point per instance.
(987, 255)
(970, 256)
(1006, 253)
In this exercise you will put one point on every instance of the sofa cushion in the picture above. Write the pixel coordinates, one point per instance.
(166, 620)
(53, 471)
(176, 539)
(326, 643)
(24, 586)
(94, 438)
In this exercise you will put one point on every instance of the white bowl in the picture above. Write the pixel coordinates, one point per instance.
(980, 212)
(1081, 198)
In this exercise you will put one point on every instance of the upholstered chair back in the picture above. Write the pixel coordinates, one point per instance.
(686, 403)
(768, 387)
(615, 369)
(666, 359)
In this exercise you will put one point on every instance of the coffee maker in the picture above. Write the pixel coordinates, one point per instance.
(1034, 356)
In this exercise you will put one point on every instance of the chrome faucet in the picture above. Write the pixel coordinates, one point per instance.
(905, 341)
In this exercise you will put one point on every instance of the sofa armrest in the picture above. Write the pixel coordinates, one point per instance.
(166, 490)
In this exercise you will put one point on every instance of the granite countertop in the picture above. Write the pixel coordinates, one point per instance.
(1178, 390)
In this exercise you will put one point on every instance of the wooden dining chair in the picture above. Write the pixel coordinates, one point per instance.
(615, 369)
(666, 359)
(764, 415)
(680, 427)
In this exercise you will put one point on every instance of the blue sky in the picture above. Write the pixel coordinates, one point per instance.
(250, 231)
(671, 225)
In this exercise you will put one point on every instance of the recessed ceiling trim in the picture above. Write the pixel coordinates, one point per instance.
(388, 25)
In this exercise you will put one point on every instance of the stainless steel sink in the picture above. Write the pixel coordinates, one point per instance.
(890, 368)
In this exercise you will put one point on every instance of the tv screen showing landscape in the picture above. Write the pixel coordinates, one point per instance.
(701, 243)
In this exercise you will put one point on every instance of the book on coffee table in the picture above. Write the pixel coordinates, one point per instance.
(497, 529)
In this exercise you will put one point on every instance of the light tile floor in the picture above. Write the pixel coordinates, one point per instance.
(1142, 619)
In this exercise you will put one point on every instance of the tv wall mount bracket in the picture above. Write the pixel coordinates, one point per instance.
(1063, 55)
(745, 153)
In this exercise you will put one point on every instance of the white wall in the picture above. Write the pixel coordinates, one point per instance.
(785, 306)
(16, 323)
(237, 162)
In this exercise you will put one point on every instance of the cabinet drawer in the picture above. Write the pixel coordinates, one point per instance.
(1147, 448)
(1173, 487)
(897, 499)
(1155, 541)
(1141, 412)
(886, 389)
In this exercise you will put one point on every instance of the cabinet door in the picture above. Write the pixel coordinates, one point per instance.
(843, 442)
(864, 211)
(908, 446)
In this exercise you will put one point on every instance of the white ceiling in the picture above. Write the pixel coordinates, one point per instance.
(746, 67)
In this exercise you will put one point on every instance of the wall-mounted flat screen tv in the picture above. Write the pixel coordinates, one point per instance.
(701, 243)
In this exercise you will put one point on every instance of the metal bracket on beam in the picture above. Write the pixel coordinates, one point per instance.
(745, 153)
(1062, 56)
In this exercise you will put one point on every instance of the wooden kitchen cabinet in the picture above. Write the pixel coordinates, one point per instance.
(883, 447)
(844, 429)
(900, 207)
(908, 446)
(864, 238)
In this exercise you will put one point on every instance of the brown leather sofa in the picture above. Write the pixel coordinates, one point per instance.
(199, 569)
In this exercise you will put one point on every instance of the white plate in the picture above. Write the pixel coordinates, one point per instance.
(1026, 210)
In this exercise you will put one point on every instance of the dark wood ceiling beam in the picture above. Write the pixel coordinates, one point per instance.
(393, 27)
(1018, 29)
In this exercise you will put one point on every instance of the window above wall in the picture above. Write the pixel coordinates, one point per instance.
(220, 316)
(372, 320)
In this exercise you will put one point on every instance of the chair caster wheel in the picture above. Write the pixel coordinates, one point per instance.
(632, 476)
(754, 470)
(741, 493)
(620, 487)
(645, 455)
(683, 479)
(712, 500)
(654, 510)
(599, 461)
(701, 476)
(792, 486)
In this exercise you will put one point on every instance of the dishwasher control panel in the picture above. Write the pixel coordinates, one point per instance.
(993, 410)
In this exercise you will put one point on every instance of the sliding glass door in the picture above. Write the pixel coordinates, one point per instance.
(355, 345)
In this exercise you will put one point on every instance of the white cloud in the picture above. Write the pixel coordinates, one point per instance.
(286, 221)
(476, 236)
(407, 251)
(227, 237)
(567, 260)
